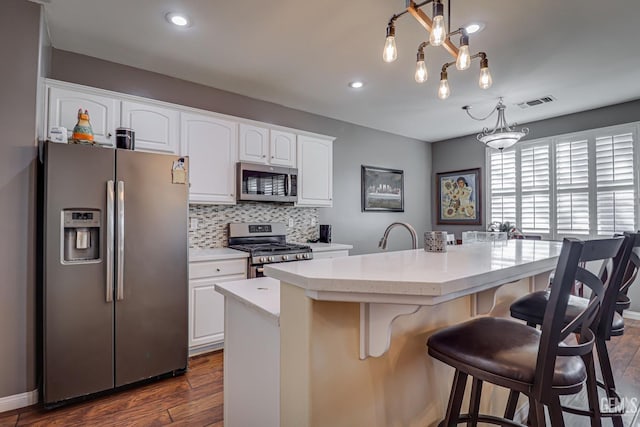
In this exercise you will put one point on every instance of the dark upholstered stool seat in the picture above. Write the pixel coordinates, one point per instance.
(531, 307)
(504, 348)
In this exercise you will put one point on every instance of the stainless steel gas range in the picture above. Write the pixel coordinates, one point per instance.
(266, 244)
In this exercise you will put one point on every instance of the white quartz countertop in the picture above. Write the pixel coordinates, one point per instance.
(215, 254)
(462, 270)
(261, 294)
(327, 247)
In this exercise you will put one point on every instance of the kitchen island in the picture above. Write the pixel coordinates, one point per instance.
(353, 330)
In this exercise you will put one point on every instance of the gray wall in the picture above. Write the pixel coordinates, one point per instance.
(354, 145)
(19, 48)
(466, 152)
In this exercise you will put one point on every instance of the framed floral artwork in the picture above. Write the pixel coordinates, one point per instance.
(459, 197)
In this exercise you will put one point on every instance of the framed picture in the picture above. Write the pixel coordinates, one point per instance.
(382, 189)
(459, 197)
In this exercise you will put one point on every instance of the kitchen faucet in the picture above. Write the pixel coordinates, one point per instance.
(385, 236)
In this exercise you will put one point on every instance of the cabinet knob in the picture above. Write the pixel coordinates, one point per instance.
(264, 155)
(109, 135)
(218, 270)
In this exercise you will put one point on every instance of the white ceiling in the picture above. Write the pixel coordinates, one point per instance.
(302, 54)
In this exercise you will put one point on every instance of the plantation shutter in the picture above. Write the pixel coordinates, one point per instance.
(535, 206)
(572, 184)
(503, 186)
(615, 179)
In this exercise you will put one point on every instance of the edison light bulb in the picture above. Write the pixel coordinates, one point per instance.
(390, 52)
(421, 72)
(436, 38)
(485, 80)
(443, 90)
(464, 58)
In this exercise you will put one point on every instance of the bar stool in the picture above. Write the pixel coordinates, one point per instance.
(523, 359)
(531, 309)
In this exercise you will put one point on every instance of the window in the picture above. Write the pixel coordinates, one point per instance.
(582, 185)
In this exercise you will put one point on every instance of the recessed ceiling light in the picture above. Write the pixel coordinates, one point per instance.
(474, 27)
(178, 19)
(356, 85)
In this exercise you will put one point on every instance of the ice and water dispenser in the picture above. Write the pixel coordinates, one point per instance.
(80, 236)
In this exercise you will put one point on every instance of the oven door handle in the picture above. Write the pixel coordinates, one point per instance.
(259, 269)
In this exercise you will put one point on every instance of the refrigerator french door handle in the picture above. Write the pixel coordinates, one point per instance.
(120, 239)
(110, 238)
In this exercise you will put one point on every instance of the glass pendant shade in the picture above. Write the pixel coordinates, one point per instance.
(464, 58)
(436, 38)
(443, 90)
(390, 52)
(501, 140)
(421, 72)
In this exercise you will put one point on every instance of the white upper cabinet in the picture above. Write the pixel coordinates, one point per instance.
(267, 147)
(212, 145)
(156, 128)
(282, 148)
(315, 171)
(254, 143)
(104, 113)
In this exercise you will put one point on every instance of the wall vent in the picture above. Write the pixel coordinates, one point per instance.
(538, 101)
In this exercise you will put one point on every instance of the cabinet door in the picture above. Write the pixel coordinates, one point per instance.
(104, 113)
(155, 127)
(206, 314)
(315, 171)
(212, 145)
(330, 254)
(254, 142)
(283, 148)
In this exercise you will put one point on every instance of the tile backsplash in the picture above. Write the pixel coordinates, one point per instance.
(213, 221)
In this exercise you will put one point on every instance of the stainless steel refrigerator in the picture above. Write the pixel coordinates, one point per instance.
(114, 280)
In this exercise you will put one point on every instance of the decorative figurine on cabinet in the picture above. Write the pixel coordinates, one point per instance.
(82, 132)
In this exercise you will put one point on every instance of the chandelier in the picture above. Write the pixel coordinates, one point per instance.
(502, 136)
(438, 36)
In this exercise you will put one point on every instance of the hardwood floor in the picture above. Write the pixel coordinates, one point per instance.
(193, 399)
(196, 398)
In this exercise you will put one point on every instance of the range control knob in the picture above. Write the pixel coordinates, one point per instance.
(285, 257)
(307, 256)
(271, 259)
(299, 256)
(262, 259)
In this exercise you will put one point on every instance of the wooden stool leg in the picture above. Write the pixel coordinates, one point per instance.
(555, 413)
(592, 391)
(510, 411)
(607, 376)
(536, 411)
(455, 399)
(474, 404)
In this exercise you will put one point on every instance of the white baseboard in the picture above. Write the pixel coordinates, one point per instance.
(18, 400)
(634, 315)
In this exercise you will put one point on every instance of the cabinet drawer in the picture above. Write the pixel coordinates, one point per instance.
(217, 268)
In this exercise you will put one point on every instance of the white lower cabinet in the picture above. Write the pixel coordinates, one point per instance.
(206, 306)
(330, 254)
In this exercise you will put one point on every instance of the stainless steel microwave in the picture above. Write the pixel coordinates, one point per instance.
(266, 183)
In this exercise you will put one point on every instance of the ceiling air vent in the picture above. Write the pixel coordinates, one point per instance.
(538, 101)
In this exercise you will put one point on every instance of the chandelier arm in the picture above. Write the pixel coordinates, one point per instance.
(448, 16)
(480, 119)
